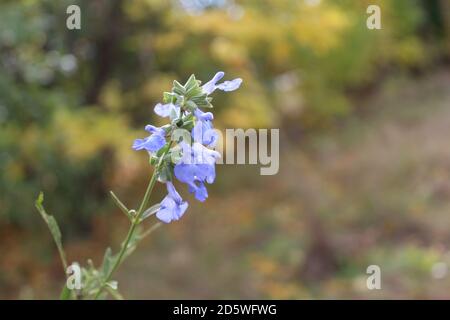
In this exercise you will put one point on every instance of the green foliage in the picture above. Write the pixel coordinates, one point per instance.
(53, 227)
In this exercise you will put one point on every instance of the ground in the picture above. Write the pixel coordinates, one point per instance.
(374, 191)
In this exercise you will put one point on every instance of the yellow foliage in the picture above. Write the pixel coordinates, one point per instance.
(160, 82)
(283, 290)
(231, 53)
(166, 42)
(320, 28)
(410, 52)
(138, 10)
(86, 132)
(264, 266)
(249, 110)
(111, 96)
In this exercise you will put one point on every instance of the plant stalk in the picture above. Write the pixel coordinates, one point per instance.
(134, 224)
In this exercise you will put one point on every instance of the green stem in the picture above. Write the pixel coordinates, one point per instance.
(134, 224)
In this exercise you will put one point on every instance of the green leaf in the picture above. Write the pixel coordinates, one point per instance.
(176, 154)
(202, 101)
(180, 100)
(66, 293)
(188, 125)
(108, 261)
(193, 87)
(169, 97)
(150, 211)
(194, 92)
(191, 105)
(164, 174)
(163, 150)
(53, 227)
(191, 82)
(173, 114)
(121, 206)
(153, 160)
(178, 88)
(112, 284)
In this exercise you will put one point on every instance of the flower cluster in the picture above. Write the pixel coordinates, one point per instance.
(182, 147)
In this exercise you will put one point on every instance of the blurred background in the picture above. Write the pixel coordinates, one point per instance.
(364, 118)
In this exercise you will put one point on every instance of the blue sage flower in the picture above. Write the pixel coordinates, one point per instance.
(196, 167)
(197, 164)
(194, 176)
(167, 110)
(152, 143)
(212, 85)
(172, 206)
(203, 131)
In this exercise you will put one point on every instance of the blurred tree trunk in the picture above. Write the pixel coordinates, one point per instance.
(107, 47)
(438, 20)
(320, 259)
(445, 9)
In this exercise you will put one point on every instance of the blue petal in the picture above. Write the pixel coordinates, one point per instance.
(203, 130)
(210, 138)
(203, 155)
(210, 86)
(138, 144)
(166, 213)
(191, 173)
(173, 192)
(203, 116)
(172, 206)
(185, 172)
(152, 143)
(164, 110)
(230, 85)
(201, 169)
(197, 132)
(201, 194)
(153, 129)
(210, 173)
(181, 209)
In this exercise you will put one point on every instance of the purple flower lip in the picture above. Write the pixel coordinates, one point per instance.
(165, 110)
(152, 143)
(172, 206)
(212, 85)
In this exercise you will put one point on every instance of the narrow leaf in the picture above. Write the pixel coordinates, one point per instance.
(151, 211)
(121, 206)
(53, 227)
(191, 82)
(66, 293)
(108, 261)
(112, 284)
(178, 88)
